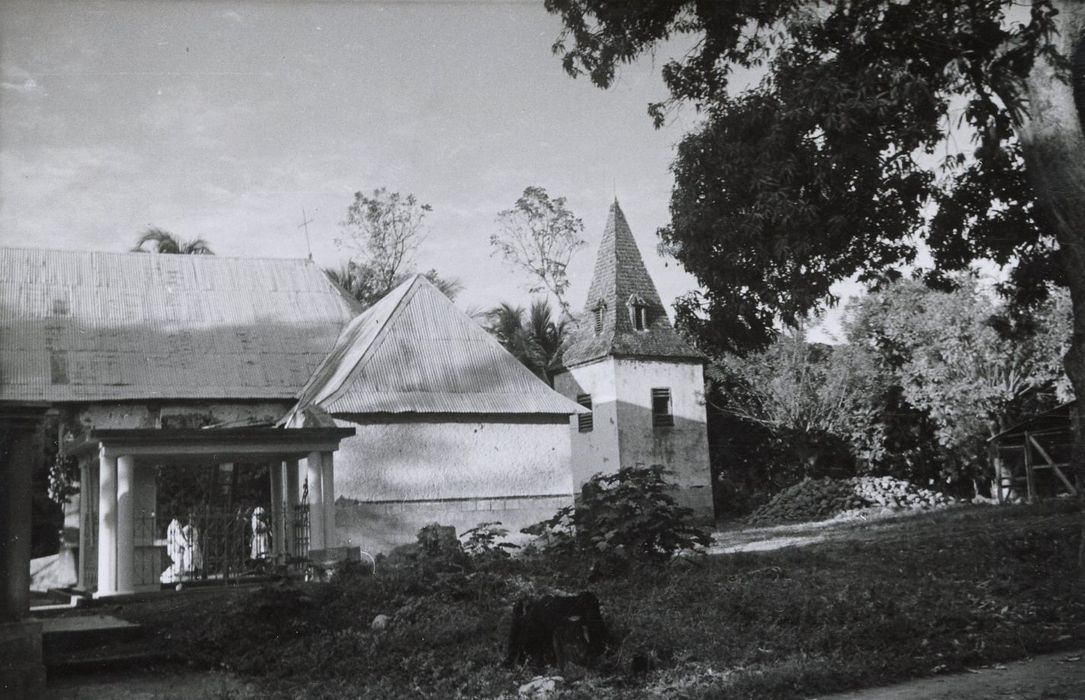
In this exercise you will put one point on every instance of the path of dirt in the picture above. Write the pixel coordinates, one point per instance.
(1048, 677)
(883, 526)
(156, 684)
(1051, 677)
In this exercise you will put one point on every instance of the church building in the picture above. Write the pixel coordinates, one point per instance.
(643, 383)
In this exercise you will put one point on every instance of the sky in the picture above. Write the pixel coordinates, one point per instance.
(226, 120)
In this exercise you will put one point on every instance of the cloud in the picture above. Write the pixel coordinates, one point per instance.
(28, 85)
(18, 80)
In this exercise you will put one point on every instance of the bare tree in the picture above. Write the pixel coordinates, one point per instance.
(539, 236)
(383, 230)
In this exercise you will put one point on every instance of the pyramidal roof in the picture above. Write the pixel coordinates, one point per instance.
(620, 283)
(415, 352)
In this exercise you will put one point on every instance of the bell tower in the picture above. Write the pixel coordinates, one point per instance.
(642, 382)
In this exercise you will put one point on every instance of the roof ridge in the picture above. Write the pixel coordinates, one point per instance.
(425, 356)
(374, 343)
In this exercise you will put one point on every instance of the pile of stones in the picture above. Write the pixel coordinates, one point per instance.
(821, 499)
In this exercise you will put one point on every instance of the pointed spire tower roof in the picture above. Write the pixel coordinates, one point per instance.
(619, 285)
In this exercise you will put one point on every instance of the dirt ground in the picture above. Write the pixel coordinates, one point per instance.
(884, 526)
(1039, 678)
(1054, 676)
(155, 684)
(1051, 677)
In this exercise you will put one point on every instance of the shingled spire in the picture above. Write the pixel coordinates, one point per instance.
(623, 316)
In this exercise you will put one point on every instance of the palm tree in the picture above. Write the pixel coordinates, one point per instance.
(357, 280)
(535, 342)
(163, 241)
(449, 286)
(353, 281)
(547, 333)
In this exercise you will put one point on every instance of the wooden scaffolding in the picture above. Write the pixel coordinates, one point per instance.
(1032, 459)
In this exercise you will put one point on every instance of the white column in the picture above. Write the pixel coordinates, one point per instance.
(277, 498)
(292, 495)
(328, 491)
(84, 489)
(126, 545)
(107, 525)
(316, 501)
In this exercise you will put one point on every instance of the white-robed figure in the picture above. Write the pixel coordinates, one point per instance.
(193, 554)
(175, 549)
(261, 538)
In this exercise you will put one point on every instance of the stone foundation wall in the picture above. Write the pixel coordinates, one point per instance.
(380, 527)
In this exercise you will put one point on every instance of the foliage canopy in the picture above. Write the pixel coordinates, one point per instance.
(829, 165)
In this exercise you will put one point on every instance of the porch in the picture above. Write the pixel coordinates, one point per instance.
(121, 548)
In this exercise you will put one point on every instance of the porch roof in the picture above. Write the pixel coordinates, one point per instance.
(221, 445)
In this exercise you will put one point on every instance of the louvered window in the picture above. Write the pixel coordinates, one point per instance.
(600, 315)
(584, 420)
(661, 408)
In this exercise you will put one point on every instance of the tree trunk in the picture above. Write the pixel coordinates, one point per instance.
(1054, 151)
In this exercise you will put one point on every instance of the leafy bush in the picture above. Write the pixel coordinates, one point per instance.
(483, 542)
(630, 514)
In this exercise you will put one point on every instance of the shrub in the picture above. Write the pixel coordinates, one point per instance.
(630, 514)
(483, 542)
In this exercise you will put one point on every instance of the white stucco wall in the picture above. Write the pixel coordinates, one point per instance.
(682, 448)
(380, 527)
(395, 476)
(441, 459)
(623, 433)
(597, 450)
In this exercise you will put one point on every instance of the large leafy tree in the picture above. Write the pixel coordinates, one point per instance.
(811, 397)
(156, 240)
(839, 160)
(959, 360)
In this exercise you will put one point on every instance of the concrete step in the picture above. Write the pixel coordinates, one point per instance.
(22, 674)
(96, 644)
(22, 681)
(68, 635)
(113, 657)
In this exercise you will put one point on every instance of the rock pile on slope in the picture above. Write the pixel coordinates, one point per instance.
(819, 499)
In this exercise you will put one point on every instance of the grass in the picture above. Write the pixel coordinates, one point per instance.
(874, 603)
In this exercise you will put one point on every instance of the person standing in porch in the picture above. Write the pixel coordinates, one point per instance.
(175, 550)
(261, 538)
(193, 555)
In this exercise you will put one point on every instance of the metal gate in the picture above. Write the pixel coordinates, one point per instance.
(299, 527)
(217, 545)
(210, 545)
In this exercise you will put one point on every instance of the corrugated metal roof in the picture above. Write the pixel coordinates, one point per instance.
(620, 277)
(415, 352)
(89, 326)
